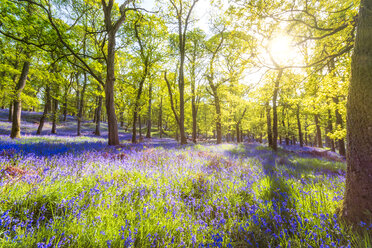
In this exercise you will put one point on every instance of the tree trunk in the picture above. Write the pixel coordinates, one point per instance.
(98, 118)
(65, 110)
(318, 132)
(268, 122)
(275, 114)
(181, 86)
(161, 117)
(10, 116)
(339, 125)
(17, 103)
(237, 133)
(134, 127)
(194, 116)
(177, 135)
(81, 104)
(300, 135)
(357, 204)
(285, 130)
(148, 134)
(45, 112)
(218, 119)
(113, 133)
(330, 130)
(140, 126)
(65, 99)
(55, 116)
(122, 119)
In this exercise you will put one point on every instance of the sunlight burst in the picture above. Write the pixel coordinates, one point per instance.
(283, 51)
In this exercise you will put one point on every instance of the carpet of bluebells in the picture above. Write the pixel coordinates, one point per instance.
(67, 191)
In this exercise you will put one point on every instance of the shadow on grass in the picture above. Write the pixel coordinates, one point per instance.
(279, 200)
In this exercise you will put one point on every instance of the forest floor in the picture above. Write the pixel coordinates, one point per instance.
(67, 191)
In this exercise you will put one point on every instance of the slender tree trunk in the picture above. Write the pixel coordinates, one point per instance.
(161, 117)
(268, 122)
(237, 133)
(55, 116)
(45, 112)
(65, 100)
(218, 119)
(148, 134)
(300, 135)
(181, 87)
(194, 116)
(339, 125)
(122, 119)
(77, 96)
(81, 105)
(318, 132)
(98, 118)
(134, 127)
(10, 115)
(95, 111)
(357, 203)
(275, 113)
(17, 103)
(177, 135)
(140, 126)
(330, 129)
(136, 105)
(285, 130)
(65, 110)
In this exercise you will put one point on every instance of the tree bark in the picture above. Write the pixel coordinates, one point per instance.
(17, 103)
(45, 112)
(357, 204)
(113, 133)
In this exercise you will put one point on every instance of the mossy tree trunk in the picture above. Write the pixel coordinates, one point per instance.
(357, 204)
(17, 103)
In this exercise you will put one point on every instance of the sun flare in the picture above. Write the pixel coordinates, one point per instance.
(283, 50)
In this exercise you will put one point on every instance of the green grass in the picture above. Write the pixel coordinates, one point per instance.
(166, 198)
